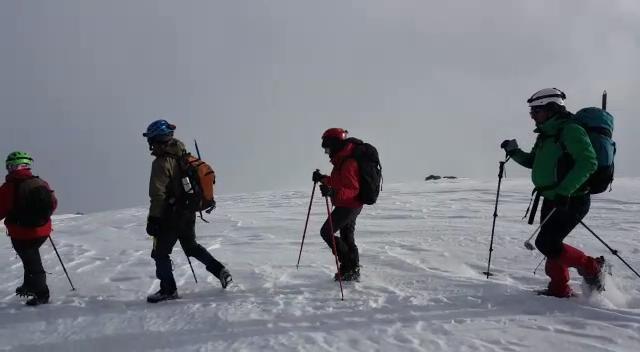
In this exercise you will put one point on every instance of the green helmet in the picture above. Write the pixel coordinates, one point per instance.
(18, 158)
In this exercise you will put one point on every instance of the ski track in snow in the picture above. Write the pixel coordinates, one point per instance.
(423, 249)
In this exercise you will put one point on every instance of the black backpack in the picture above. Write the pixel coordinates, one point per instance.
(33, 203)
(368, 161)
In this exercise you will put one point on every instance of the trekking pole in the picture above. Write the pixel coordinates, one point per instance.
(193, 272)
(197, 149)
(495, 214)
(604, 100)
(527, 243)
(61, 263)
(304, 233)
(335, 250)
(536, 269)
(613, 251)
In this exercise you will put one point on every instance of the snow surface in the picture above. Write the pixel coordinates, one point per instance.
(423, 248)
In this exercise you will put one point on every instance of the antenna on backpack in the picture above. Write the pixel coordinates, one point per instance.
(198, 149)
(604, 100)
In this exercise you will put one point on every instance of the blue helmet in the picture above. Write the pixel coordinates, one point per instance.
(159, 130)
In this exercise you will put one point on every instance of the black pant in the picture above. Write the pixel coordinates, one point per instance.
(35, 278)
(179, 226)
(343, 220)
(560, 224)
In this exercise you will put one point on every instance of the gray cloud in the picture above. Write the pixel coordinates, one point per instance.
(435, 85)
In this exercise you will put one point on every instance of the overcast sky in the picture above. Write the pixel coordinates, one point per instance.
(435, 85)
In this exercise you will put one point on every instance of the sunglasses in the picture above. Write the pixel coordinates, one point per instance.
(534, 112)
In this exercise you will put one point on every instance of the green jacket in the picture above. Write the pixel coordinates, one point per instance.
(554, 171)
(165, 183)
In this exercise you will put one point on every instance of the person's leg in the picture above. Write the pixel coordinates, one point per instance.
(340, 218)
(553, 232)
(350, 256)
(559, 275)
(162, 248)
(35, 279)
(192, 248)
(550, 243)
(588, 267)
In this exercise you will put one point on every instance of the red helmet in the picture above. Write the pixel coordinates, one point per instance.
(337, 133)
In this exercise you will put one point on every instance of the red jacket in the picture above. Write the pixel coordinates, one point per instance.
(7, 191)
(345, 179)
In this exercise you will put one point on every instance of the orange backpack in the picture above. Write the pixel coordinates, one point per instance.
(198, 183)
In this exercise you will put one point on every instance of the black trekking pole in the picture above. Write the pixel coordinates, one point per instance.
(193, 272)
(613, 251)
(335, 250)
(61, 263)
(536, 269)
(604, 100)
(495, 214)
(304, 233)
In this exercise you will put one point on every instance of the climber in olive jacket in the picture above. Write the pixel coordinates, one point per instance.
(164, 182)
(562, 160)
(169, 220)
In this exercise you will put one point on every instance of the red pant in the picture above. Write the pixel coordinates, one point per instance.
(558, 269)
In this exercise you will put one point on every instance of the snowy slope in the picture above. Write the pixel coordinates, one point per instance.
(423, 248)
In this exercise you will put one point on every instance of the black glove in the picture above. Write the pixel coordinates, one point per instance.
(317, 176)
(153, 226)
(327, 191)
(561, 202)
(509, 146)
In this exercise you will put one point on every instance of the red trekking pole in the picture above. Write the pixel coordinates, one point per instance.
(335, 250)
(304, 233)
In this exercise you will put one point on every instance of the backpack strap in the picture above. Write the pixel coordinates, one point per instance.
(566, 157)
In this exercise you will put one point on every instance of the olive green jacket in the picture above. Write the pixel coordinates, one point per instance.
(562, 159)
(164, 183)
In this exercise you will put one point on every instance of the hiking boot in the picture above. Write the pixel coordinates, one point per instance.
(37, 299)
(162, 296)
(225, 278)
(342, 270)
(596, 283)
(348, 274)
(546, 292)
(352, 275)
(23, 291)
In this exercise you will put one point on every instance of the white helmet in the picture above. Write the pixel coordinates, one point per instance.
(547, 95)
